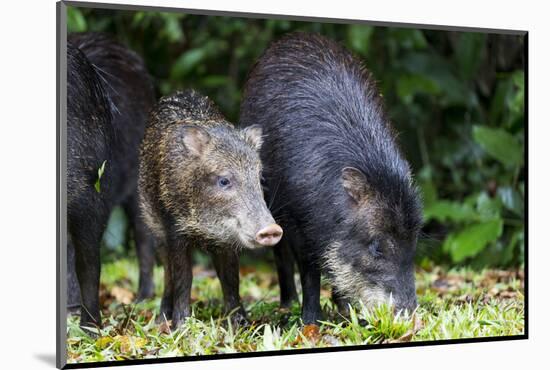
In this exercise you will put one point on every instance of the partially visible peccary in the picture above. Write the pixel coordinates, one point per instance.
(199, 186)
(109, 94)
(340, 187)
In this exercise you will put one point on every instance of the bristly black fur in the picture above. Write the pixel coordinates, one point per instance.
(109, 94)
(321, 112)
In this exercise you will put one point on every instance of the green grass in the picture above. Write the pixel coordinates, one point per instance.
(452, 304)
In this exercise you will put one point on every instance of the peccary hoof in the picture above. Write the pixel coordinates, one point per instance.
(287, 304)
(163, 317)
(238, 318)
(73, 309)
(92, 330)
(145, 291)
(178, 318)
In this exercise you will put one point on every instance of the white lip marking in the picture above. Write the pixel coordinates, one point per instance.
(351, 284)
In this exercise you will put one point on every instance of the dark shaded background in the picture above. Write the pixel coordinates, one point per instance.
(457, 99)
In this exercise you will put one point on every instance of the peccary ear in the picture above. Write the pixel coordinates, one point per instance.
(355, 183)
(253, 135)
(195, 139)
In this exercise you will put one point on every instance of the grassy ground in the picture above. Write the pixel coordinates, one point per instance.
(453, 304)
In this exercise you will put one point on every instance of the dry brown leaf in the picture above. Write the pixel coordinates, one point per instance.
(122, 295)
(164, 327)
(146, 314)
(105, 298)
(418, 325)
(246, 270)
(310, 333)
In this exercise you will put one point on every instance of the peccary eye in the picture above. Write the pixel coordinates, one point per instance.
(374, 248)
(223, 182)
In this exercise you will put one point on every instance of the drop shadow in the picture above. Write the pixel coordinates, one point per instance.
(47, 358)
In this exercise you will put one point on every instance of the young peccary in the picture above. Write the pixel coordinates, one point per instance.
(340, 187)
(109, 94)
(199, 185)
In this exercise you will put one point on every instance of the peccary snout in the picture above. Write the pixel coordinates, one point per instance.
(269, 235)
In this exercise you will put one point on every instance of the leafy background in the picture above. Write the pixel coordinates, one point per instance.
(457, 99)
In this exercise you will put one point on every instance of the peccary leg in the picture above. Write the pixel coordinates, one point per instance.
(86, 246)
(145, 249)
(285, 270)
(226, 263)
(181, 276)
(167, 301)
(310, 277)
(73, 289)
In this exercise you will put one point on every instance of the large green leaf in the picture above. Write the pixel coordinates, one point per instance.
(75, 20)
(446, 210)
(410, 85)
(359, 36)
(499, 144)
(468, 53)
(487, 208)
(186, 62)
(472, 239)
(511, 199)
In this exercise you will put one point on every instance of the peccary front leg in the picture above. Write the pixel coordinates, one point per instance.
(285, 271)
(226, 263)
(87, 264)
(310, 277)
(73, 289)
(181, 278)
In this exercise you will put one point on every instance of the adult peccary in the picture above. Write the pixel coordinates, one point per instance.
(199, 185)
(340, 187)
(109, 94)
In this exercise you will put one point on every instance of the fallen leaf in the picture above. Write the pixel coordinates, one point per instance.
(122, 295)
(508, 294)
(246, 270)
(128, 342)
(147, 315)
(418, 324)
(103, 342)
(310, 333)
(105, 297)
(164, 327)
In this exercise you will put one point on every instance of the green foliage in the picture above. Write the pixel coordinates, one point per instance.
(100, 172)
(472, 239)
(457, 100)
(499, 144)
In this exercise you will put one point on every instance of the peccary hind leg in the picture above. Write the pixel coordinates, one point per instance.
(310, 276)
(145, 249)
(73, 289)
(285, 271)
(87, 264)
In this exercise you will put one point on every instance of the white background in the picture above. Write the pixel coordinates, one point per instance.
(27, 182)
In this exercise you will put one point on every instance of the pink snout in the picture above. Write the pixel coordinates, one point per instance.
(269, 235)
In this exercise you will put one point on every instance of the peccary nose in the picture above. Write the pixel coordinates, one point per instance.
(269, 235)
